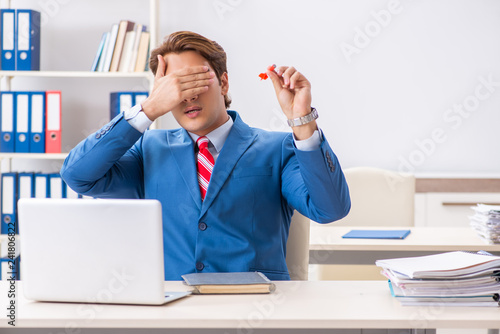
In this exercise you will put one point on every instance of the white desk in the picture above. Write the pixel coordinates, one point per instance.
(302, 306)
(328, 247)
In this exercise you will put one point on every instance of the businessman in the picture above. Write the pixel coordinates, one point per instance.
(227, 190)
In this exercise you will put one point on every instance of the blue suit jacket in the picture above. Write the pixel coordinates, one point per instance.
(242, 225)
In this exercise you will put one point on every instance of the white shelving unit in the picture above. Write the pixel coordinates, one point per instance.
(6, 78)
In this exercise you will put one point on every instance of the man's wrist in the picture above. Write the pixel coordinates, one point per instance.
(313, 115)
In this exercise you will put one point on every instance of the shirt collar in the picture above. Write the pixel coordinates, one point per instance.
(218, 136)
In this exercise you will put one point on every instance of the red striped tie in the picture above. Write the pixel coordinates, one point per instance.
(205, 165)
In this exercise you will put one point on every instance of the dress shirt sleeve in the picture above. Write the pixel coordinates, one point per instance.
(310, 144)
(137, 119)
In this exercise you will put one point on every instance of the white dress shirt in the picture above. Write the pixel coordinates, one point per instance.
(139, 121)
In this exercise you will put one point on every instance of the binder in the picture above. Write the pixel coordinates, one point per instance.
(8, 121)
(9, 198)
(10, 268)
(22, 116)
(26, 185)
(37, 122)
(28, 40)
(70, 193)
(53, 122)
(376, 234)
(41, 185)
(120, 101)
(56, 186)
(139, 97)
(8, 24)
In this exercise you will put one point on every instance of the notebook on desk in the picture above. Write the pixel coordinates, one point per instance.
(93, 251)
(377, 234)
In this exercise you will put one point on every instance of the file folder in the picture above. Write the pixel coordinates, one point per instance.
(28, 40)
(377, 234)
(9, 199)
(26, 189)
(8, 24)
(37, 122)
(53, 122)
(22, 117)
(56, 186)
(26, 185)
(10, 268)
(121, 101)
(8, 121)
(41, 185)
(139, 97)
(70, 193)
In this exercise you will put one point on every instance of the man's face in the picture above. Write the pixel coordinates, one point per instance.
(203, 113)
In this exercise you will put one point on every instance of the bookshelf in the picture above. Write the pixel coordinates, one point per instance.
(38, 161)
(7, 77)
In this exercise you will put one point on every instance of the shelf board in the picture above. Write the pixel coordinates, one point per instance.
(75, 74)
(38, 156)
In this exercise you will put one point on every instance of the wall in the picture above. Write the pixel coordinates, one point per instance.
(409, 85)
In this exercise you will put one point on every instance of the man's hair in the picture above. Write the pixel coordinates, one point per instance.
(181, 41)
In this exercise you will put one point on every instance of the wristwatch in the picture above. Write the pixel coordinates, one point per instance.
(304, 119)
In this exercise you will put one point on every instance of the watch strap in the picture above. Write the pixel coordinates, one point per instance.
(304, 119)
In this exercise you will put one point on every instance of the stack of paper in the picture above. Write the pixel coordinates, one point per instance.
(486, 222)
(453, 278)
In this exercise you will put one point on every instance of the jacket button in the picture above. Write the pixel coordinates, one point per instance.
(202, 226)
(97, 136)
(199, 266)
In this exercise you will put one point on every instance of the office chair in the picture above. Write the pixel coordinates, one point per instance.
(378, 198)
(297, 247)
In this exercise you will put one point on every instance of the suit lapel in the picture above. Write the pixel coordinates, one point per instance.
(239, 139)
(182, 149)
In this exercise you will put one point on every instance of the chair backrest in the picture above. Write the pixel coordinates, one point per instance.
(297, 247)
(379, 197)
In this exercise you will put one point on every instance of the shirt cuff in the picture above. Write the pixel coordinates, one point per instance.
(310, 144)
(137, 119)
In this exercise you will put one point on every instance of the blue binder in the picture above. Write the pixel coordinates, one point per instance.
(377, 234)
(10, 268)
(25, 185)
(8, 39)
(37, 122)
(139, 97)
(70, 193)
(7, 121)
(22, 117)
(42, 185)
(56, 186)
(8, 206)
(120, 101)
(28, 40)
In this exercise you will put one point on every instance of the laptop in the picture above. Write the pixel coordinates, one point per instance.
(93, 251)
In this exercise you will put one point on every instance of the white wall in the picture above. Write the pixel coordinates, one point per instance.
(390, 104)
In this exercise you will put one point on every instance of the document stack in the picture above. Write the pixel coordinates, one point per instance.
(486, 222)
(446, 279)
